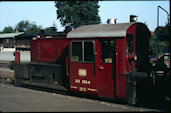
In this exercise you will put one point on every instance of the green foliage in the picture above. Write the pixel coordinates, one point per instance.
(23, 25)
(47, 29)
(163, 41)
(33, 29)
(152, 43)
(8, 29)
(27, 27)
(51, 29)
(75, 13)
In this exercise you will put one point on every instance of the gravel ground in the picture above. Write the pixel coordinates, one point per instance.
(18, 99)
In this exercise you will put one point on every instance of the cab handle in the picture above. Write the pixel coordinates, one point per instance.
(67, 65)
(101, 67)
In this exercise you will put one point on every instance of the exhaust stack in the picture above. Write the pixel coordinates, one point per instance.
(133, 18)
(112, 21)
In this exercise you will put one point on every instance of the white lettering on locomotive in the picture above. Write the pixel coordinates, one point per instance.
(82, 89)
(90, 89)
(77, 80)
(74, 87)
(85, 81)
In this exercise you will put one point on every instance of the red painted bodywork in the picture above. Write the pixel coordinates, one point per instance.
(48, 49)
(122, 63)
(78, 83)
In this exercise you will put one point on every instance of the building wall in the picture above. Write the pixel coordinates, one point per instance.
(22, 44)
(8, 43)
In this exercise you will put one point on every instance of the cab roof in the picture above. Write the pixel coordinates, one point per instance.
(100, 30)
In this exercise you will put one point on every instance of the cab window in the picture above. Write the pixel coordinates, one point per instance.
(88, 51)
(76, 51)
(82, 51)
(129, 43)
(107, 50)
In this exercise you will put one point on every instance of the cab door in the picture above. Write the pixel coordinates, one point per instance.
(82, 66)
(107, 68)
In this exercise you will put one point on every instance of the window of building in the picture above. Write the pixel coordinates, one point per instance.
(1, 41)
(7, 40)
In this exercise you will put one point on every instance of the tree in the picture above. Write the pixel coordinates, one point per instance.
(33, 28)
(47, 29)
(28, 27)
(76, 13)
(23, 25)
(8, 29)
(51, 29)
(163, 41)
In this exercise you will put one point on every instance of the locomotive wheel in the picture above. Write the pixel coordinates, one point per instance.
(18, 82)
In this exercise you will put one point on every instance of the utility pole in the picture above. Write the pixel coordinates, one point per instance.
(158, 27)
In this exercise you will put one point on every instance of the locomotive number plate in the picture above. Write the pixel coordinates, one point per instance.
(82, 72)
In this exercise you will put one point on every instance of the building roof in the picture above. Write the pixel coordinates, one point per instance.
(10, 35)
(31, 35)
(101, 30)
(151, 32)
(27, 35)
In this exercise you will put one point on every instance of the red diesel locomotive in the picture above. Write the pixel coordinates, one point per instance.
(106, 60)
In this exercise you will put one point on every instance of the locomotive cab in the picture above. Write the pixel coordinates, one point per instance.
(102, 59)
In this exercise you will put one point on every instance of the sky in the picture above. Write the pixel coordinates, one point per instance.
(43, 13)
